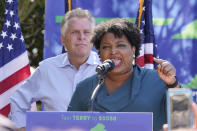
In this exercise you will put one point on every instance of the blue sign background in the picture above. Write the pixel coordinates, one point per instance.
(53, 12)
(175, 26)
(89, 121)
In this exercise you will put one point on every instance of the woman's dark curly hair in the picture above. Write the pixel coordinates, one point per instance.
(119, 27)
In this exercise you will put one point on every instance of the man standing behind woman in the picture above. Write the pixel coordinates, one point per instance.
(127, 88)
(55, 80)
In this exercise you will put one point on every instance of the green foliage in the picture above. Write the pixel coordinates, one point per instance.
(192, 84)
(32, 24)
(2, 10)
(31, 13)
(38, 105)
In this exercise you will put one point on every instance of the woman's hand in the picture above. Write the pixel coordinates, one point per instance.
(166, 71)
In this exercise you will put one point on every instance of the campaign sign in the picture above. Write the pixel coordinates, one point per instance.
(89, 121)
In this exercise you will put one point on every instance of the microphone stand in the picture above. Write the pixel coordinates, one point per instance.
(101, 80)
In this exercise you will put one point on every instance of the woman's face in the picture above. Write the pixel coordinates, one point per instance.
(119, 50)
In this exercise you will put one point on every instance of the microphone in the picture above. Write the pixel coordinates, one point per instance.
(101, 69)
(106, 66)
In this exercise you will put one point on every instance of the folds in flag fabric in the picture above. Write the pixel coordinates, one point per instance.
(145, 24)
(14, 63)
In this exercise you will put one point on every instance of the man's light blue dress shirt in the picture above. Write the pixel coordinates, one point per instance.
(53, 83)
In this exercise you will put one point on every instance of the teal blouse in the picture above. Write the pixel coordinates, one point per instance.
(142, 92)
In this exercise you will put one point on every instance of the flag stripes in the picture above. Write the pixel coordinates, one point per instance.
(14, 79)
(14, 63)
(144, 23)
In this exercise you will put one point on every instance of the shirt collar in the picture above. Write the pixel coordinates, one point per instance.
(93, 59)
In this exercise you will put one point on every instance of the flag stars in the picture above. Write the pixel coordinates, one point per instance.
(16, 25)
(6, 11)
(13, 36)
(144, 8)
(10, 47)
(11, 13)
(143, 22)
(1, 45)
(141, 31)
(7, 23)
(4, 34)
(22, 39)
(9, 1)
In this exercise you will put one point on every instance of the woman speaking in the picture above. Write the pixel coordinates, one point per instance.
(127, 88)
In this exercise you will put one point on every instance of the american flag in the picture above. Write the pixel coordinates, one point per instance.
(145, 24)
(14, 63)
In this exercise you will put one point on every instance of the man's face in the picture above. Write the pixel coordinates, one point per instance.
(77, 37)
